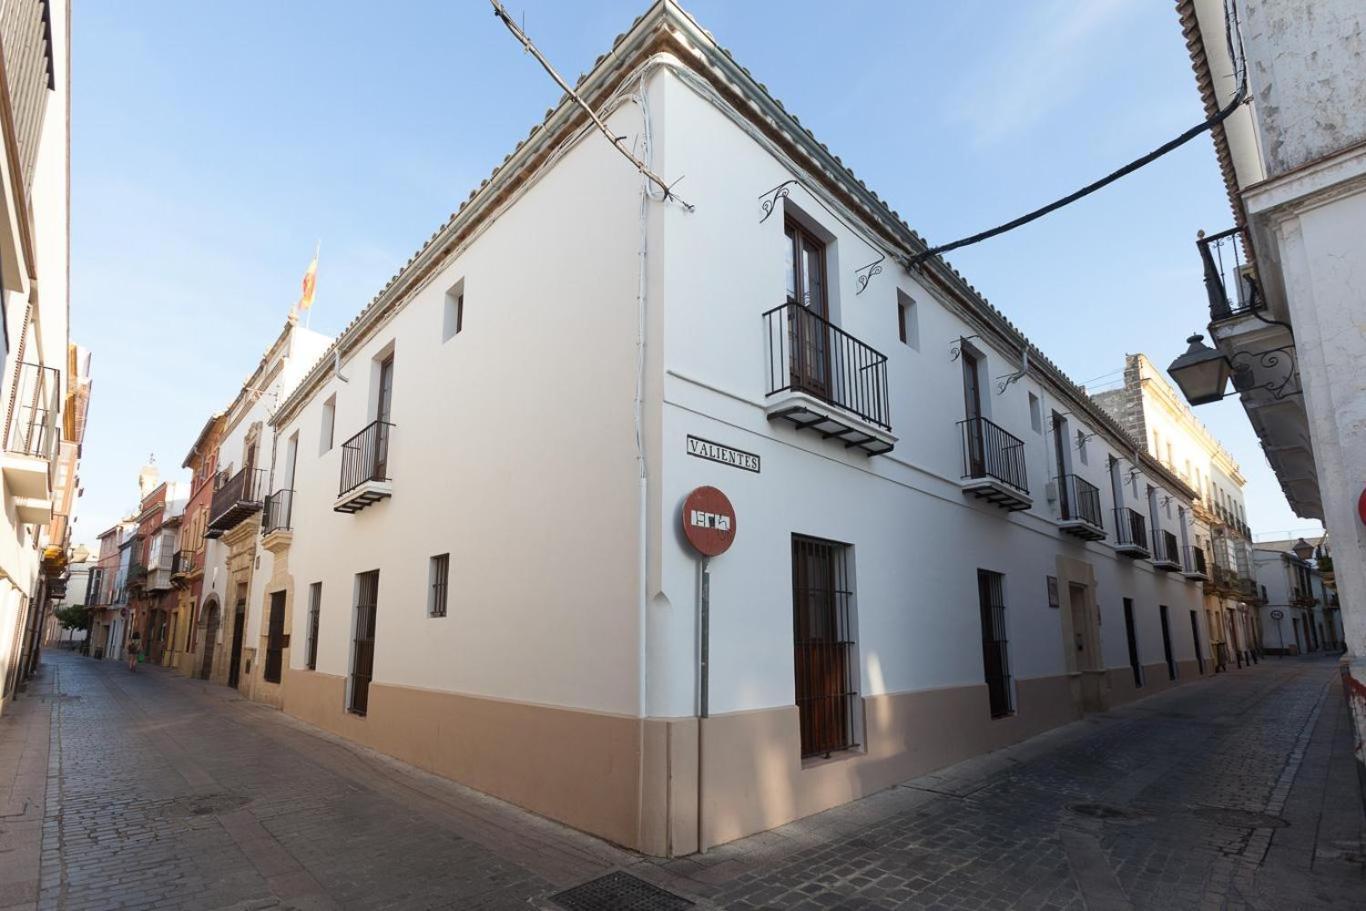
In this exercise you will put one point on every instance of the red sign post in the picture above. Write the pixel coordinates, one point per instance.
(708, 521)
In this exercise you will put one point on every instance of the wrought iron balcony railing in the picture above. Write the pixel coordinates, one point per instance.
(1079, 500)
(278, 512)
(1131, 531)
(807, 353)
(182, 563)
(37, 405)
(365, 457)
(1195, 562)
(990, 452)
(235, 498)
(1230, 279)
(1166, 549)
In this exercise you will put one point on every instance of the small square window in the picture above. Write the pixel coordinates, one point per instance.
(437, 573)
(907, 322)
(453, 318)
(1035, 413)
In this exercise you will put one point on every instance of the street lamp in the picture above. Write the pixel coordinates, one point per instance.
(1303, 549)
(1202, 373)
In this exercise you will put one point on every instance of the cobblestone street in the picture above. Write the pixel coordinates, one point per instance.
(151, 791)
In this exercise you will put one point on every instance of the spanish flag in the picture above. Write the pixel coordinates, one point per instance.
(309, 284)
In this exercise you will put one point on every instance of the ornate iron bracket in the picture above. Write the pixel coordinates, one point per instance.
(770, 198)
(865, 273)
(956, 346)
(1282, 358)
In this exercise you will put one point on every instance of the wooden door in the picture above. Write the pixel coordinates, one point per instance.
(210, 637)
(1081, 626)
(1167, 642)
(973, 435)
(239, 621)
(808, 326)
(1060, 453)
(363, 645)
(995, 642)
(383, 412)
(275, 637)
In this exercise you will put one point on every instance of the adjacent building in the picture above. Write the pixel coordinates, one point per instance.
(1299, 608)
(1219, 540)
(42, 418)
(1284, 280)
(468, 517)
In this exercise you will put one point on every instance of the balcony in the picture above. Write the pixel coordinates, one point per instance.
(1166, 551)
(365, 468)
(1131, 533)
(994, 465)
(31, 448)
(278, 512)
(182, 564)
(821, 378)
(235, 499)
(1079, 508)
(1195, 568)
(1230, 280)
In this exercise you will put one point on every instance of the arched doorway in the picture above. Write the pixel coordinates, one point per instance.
(211, 619)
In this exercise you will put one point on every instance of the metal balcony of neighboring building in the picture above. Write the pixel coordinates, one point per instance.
(994, 465)
(1079, 508)
(31, 447)
(821, 378)
(182, 564)
(365, 468)
(1249, 326)
(1166, 551)
(235, 499)
(1195, 568)
(1131, 533)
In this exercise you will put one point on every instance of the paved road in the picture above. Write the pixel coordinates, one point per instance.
(147, 790)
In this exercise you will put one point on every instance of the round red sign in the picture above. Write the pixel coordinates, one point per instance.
(1361, 506)
(708, 521)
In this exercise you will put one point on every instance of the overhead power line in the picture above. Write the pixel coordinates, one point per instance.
(1210, 123)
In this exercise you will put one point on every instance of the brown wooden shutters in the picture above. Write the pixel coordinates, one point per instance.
(824, 651)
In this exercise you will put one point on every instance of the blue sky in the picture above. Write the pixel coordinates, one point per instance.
(213, 144)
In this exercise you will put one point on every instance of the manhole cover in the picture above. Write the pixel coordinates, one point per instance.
(1103, 811)
(1240, 819)
(619, 892)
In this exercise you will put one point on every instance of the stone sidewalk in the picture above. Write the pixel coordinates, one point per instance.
(148, 790)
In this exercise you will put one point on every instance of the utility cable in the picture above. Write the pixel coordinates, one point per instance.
(1210, 123)
(617, 141)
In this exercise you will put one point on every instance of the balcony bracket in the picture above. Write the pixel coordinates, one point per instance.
(806, 412)
(998, 493)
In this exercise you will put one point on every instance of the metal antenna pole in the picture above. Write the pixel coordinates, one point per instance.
(617, 141)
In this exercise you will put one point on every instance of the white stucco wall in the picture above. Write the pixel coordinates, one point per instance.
(917, 540)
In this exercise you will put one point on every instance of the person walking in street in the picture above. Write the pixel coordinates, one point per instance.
(134, 645)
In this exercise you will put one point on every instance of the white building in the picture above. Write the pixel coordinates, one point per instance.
(1298, 613)
(234, 564)
(943, 545)
(1285, 281)
(34, 248)
(1155, 415)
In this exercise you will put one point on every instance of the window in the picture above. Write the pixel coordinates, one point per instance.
(438, 571)
(1134, 664)
(453, 314)
(1157, 444)
(315, 603)
(907, 323)
(995, 641)
(1035, 413)
(325, 436)
(363, 641)
(825, 654)
(1081, 446)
